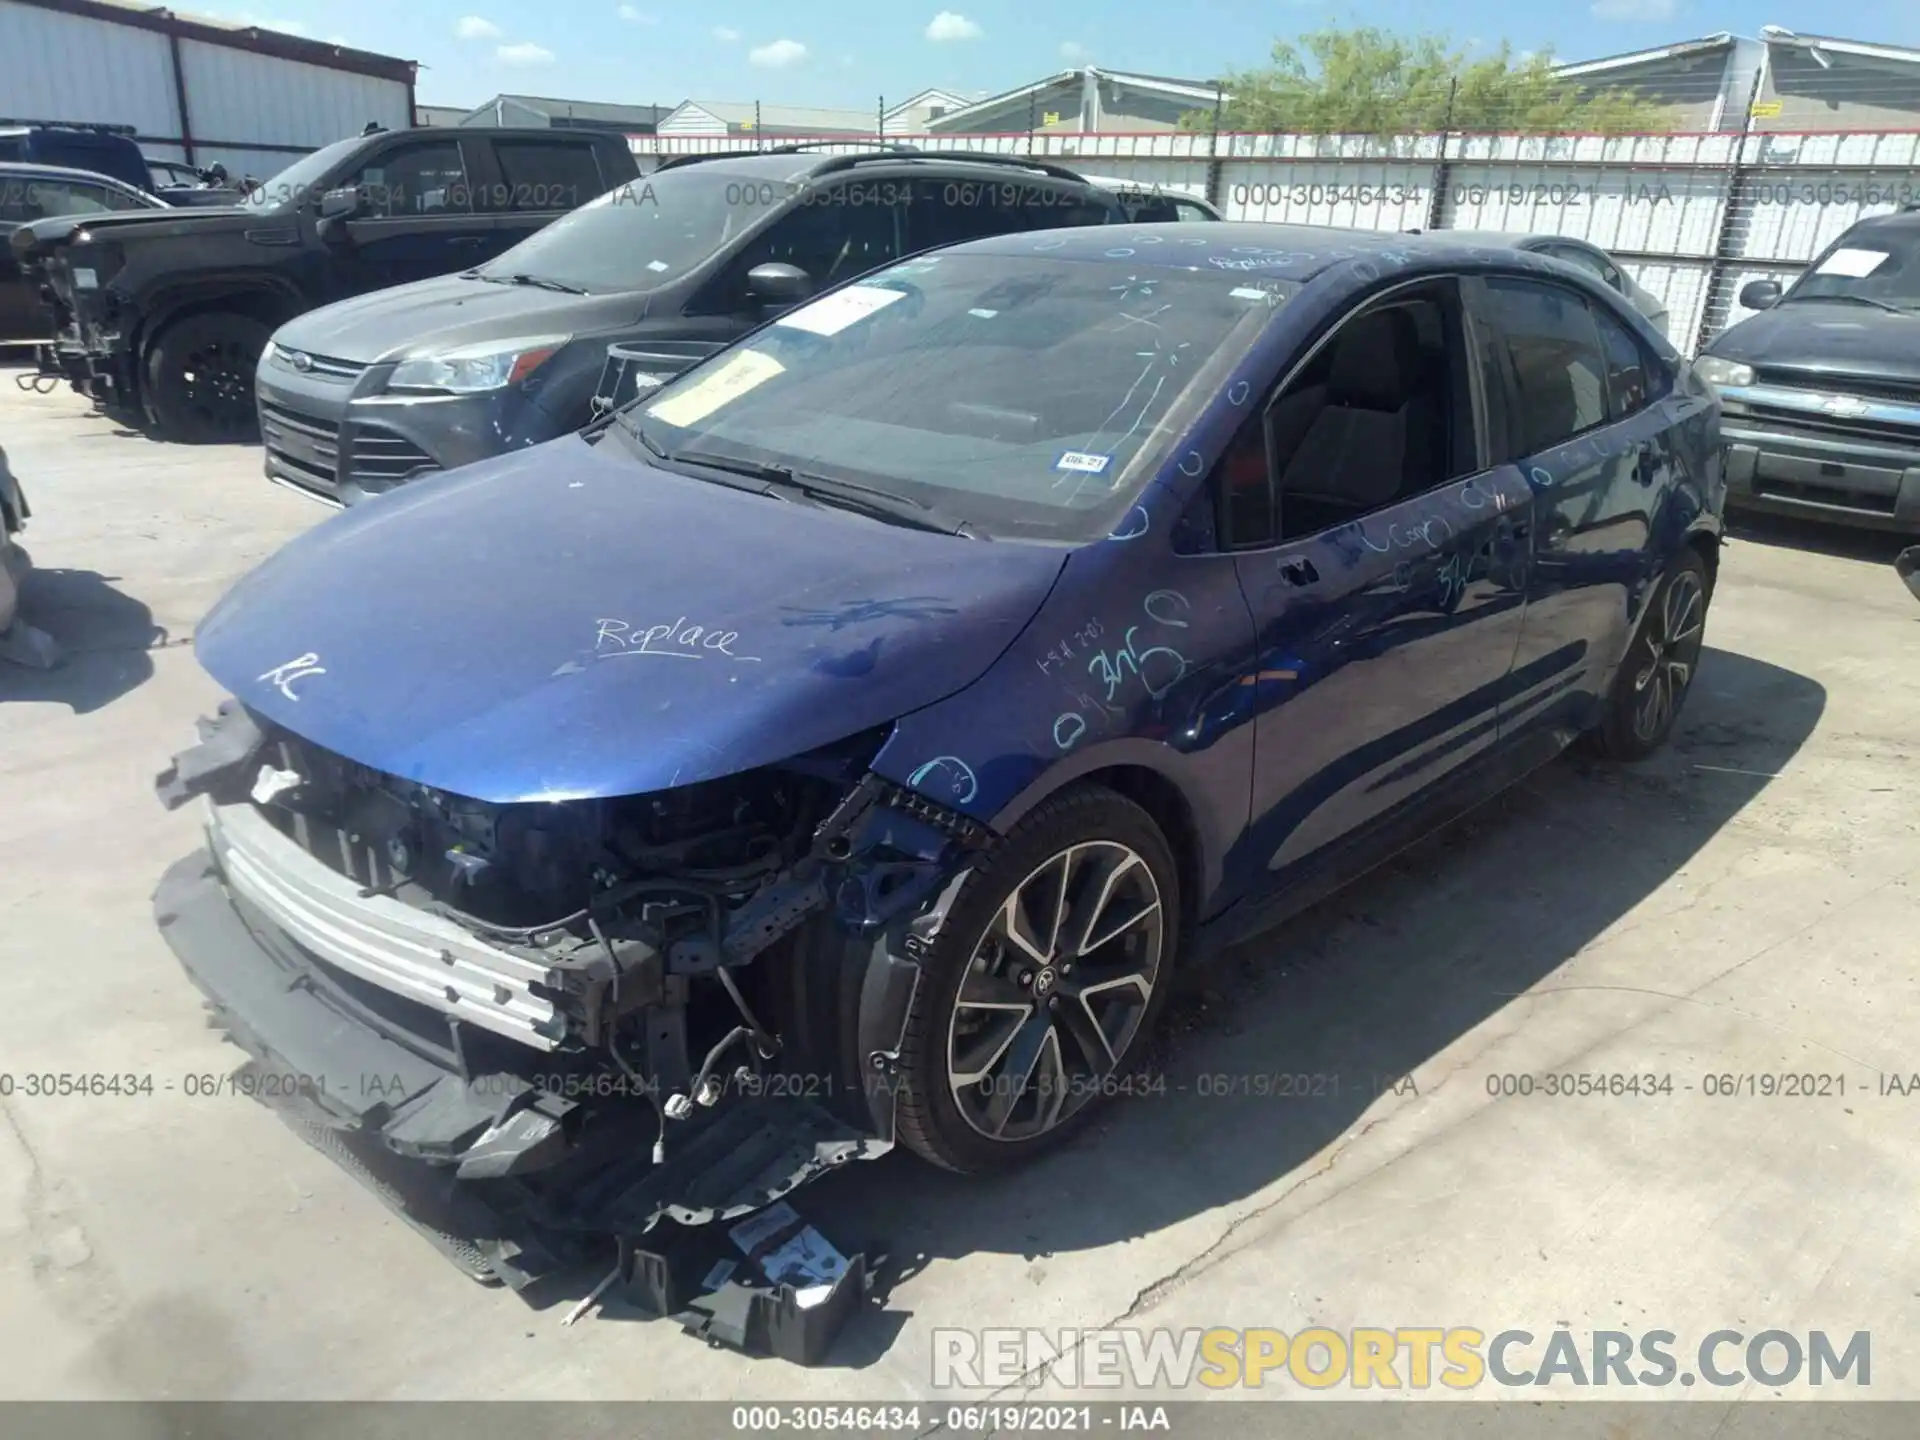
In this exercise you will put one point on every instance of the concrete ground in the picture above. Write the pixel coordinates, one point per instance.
(1746, 903)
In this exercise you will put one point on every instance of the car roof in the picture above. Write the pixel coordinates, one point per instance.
(800, 164)
(1288, 252)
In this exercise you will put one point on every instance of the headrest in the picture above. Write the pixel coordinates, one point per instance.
(1378, 362)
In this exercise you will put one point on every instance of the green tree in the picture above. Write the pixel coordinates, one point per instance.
(1371, 82)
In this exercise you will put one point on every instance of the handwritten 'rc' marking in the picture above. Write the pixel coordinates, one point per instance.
(281, 677)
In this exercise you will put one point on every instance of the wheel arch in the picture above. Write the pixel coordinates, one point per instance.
(271, 302)
(1142, 772)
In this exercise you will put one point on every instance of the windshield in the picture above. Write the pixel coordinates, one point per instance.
(300, 182)
(1880, 265)
(1026, 395)
(638, 235)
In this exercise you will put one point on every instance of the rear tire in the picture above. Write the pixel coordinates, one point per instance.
(199, 378)
(1653, 681)
(1046, 979)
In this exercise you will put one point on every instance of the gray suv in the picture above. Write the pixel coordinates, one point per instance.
(362, 395)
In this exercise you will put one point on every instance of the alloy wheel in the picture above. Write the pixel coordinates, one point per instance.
(1054, 993)
(1668, 653)
(216, 380)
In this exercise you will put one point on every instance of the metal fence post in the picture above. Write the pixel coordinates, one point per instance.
(1443, 168)
(1732, 225)
(1215, 170)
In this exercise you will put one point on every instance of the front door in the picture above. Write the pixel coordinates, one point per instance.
(1389, 608)
(417, 218)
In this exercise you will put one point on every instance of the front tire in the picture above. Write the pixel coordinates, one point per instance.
(199, 378)
(1654, 679)
(1048, 974)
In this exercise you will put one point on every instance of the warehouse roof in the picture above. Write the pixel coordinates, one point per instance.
(234, 35)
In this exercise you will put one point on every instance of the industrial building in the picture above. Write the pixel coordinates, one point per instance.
(200, 90)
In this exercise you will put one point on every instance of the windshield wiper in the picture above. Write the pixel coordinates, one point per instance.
(842, 494)
(539, 282)
(1847, 299)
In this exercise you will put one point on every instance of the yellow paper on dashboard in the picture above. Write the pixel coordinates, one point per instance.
(728, 381)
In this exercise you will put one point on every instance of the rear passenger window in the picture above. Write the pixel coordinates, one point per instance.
(1557, 361)
(1628, 385)
(543, 175)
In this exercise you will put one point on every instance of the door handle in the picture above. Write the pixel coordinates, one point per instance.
(1299, 572)
(1643, 466)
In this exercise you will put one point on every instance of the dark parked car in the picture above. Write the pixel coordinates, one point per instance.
(1581, 254)
(1821, 390)
(169, 314)
(626, 291)
(39, 192)
(112, 150)
(847, 742)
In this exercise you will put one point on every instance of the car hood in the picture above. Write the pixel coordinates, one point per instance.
(37, 237)
(432, 316)
(565, 622)
(1826, 339)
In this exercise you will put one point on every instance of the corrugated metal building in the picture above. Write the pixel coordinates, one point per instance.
(205, 91)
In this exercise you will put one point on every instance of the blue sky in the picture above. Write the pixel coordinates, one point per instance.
(847, 53)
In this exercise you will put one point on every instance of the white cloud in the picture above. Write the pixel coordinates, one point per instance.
(634, 15)
(524, 53)
(949, 25)
(725, 34)
(777, 55)
(472, 27)
(340, 40)
(1633, 9)
(1072, 50)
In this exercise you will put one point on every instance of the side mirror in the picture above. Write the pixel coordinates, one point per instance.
(1760, 294)
(778, 284)
(341, 204)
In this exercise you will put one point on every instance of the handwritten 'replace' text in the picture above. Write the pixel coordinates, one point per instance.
(676, 641)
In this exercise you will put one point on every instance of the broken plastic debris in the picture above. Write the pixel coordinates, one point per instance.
(759, 1228)
(809, 1263)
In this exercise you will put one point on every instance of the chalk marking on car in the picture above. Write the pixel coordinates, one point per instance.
(281, 677)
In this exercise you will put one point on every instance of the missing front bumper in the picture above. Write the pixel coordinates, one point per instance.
(510, 1181)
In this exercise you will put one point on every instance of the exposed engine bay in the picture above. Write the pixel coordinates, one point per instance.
(597, 1013)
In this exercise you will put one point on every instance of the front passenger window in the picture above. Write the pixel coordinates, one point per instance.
(1380, 414)
(425, 179)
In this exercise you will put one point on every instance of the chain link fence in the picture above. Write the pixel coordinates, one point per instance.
(1692, 217)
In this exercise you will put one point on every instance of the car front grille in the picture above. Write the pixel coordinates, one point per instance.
(1901, 392)
(378, 457)
(1787, 422)
(309, 446)
(305, 445)
(324, 365)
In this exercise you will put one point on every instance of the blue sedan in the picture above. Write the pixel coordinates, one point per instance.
(846, 743)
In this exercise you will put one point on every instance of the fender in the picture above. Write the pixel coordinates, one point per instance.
(160, 308)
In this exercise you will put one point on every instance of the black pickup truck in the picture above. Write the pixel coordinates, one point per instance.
(163, 317)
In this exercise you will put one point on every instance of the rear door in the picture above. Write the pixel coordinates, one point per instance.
(532, 182)
(1593, 447)
(417, 218)
(1388, 603)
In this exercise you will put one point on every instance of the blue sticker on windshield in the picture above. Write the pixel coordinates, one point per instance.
(1083, 463)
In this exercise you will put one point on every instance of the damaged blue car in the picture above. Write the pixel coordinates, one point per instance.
(845, 745)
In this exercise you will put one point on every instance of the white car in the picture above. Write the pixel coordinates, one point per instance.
(1149, 204)
(1583, 253)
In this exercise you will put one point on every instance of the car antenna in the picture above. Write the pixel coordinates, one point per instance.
(374, 127)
